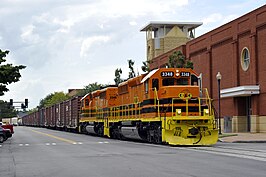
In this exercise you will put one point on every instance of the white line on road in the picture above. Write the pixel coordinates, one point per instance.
(226, 152)
(104, 142)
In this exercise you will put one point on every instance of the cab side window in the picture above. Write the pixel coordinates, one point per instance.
(155, 84)
(146, 85)
(194, 80)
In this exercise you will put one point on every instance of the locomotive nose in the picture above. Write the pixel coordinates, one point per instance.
(194, 131)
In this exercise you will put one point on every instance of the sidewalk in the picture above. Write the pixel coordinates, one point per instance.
(243, 137)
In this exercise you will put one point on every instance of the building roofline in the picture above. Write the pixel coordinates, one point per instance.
(157, 24)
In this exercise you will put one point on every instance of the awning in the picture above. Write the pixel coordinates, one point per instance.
(247, 90)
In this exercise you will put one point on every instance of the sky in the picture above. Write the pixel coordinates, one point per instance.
(68, 44)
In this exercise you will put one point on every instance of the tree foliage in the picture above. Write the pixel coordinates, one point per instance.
(131, 73)
(53, 98)
(118, 79)
(8, 73)
(32, 110)
(90, 88)
(178, 60)
(6, 111)
(145, 67)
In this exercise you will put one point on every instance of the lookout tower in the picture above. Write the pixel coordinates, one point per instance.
(164, 36)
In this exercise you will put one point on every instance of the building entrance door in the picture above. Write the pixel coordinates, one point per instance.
(243, 113)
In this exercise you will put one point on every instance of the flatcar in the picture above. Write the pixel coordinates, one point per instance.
(167, 105)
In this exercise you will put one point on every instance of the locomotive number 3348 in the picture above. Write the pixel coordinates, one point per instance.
(167, 74)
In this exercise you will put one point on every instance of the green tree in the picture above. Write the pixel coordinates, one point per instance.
(131, 73)
(8, 73)
(90, 88)
(118, 79)
(178, 60)
(33, 110)
(53, 98)
(145, 67)
(6, 111)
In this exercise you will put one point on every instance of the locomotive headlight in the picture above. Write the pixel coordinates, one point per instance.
(178, 112)
(206, 112)
(177, 73)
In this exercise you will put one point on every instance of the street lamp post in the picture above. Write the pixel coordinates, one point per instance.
(219, 77)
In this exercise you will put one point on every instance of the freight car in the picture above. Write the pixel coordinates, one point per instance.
(61, 116)
(166, 105)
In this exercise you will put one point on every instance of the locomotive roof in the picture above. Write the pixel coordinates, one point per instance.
(149, 75)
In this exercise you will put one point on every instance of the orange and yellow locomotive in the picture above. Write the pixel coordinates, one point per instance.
(167, 105)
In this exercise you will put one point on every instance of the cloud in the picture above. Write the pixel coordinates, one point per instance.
(90, 42)
(28, 35)
(133, 23)
(73, 43)
(213, 18)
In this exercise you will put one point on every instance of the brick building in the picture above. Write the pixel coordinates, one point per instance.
(238, 51)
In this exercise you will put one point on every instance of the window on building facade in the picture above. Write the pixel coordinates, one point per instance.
(245, 59)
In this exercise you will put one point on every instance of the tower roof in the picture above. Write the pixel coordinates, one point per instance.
(159, 24)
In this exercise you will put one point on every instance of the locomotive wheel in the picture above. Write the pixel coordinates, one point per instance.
(157, 135)
(100, 131)
(149, 138)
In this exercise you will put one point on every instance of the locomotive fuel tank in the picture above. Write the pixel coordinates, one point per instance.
(131, 133)
(90, 129)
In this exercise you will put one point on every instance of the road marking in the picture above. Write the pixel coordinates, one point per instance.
(225, 152)
(48, 144)
(105, 142)
(53, 144)
(55, 137)
(80, 143)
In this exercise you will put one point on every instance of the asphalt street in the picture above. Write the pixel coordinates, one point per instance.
(39, 152)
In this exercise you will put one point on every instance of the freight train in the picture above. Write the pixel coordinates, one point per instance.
(166, 105)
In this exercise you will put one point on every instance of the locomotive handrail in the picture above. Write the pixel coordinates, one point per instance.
(156, 98)
(207, 100)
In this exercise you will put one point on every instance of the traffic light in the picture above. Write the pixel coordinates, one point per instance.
(11, 102)
(26, 103)
(23, 106)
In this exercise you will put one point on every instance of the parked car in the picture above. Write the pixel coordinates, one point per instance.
(3, 136)
(7, 126)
